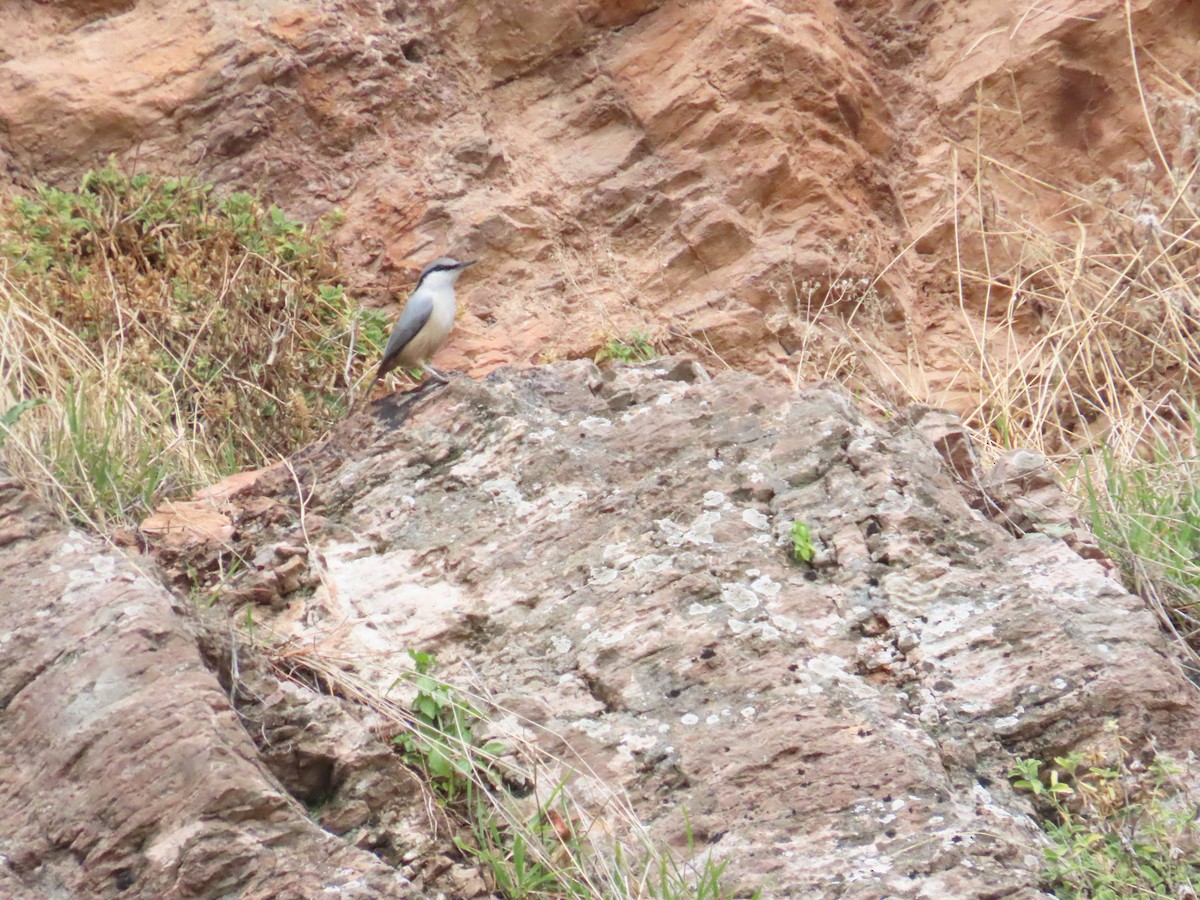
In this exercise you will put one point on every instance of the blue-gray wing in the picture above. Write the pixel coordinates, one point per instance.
(416, 313)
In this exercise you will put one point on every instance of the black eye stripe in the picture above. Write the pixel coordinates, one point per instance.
(448, 267)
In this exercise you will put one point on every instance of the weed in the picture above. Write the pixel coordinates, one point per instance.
(1146, 514)
(802, 545)
(844, 327)
(521, 860)
(540, 839)
(637, 347)
(441, 739)
(1116, 828)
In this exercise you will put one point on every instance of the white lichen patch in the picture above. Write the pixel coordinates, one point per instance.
(739, 597)
(639, 743)
(607, 637)
(1008, 724)
(470, 468)
(563, 501)
(761, 630)
(713, 499)
(825, 624)
(71, 546)
(868, 867)
(593, 423)
(942, 620)
(828, 669)
(505, 491)
(651, 564)
(602, 576)
(618, 555)
(593, 728)
(699, 532)
(689, 719)
(756, 519)
(786, 624)
(716, 464)
(765, 585)
(561, 644)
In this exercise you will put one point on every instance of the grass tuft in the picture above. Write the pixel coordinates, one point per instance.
(635, 348)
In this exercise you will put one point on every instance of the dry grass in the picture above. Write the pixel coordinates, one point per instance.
(1087, 339)
(1085, 345)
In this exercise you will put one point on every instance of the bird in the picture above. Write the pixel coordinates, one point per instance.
(426, 320)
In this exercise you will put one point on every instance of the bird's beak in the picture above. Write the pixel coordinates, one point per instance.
(469, 262)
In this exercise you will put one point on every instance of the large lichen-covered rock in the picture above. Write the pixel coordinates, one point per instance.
(610, 555)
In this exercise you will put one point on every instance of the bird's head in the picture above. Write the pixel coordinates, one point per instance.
(444, 268)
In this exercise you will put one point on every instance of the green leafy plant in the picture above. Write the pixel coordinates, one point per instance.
(802, 545)
(441, 741)
(517, 815)
(1117, 829)
(635, 348)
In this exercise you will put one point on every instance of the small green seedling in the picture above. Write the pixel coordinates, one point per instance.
(802, 545)
(635, 348)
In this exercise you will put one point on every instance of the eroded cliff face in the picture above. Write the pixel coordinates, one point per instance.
(695, 170)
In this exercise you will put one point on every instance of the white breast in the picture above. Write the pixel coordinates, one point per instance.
(430, 338)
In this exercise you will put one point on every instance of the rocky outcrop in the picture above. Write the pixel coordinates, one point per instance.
(124, 770)
(609, 554)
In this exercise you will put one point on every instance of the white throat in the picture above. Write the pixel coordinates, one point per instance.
(441, 282)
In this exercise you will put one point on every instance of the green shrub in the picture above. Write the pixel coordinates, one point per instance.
(1117, 829)
(157, 337)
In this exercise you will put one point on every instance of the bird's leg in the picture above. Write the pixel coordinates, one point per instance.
(435, 373)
